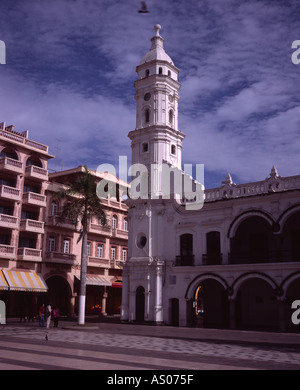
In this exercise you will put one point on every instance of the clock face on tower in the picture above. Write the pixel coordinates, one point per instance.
(147, 96)
(171, 99)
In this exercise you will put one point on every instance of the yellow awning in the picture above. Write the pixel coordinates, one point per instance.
(97, 280)
(3, 284)
(25, 281)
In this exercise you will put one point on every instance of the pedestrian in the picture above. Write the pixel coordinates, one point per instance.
(48, 315)
(55, 316)
(42, 315)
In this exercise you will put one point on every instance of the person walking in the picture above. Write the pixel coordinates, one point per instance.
(42, 315)
(55, 316)
(48, 315)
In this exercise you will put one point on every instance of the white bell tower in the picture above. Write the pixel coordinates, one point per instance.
(156, 141)
(156, 138)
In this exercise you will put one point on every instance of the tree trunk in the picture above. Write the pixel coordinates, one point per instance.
(82, 292)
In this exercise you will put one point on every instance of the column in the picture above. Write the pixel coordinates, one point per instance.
(232, 321)
(103, 302)
(131, 314)
(124, 305)
(158, 308)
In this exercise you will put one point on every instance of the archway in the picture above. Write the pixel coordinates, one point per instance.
(256, 305)
(210, 308)
(252, 242)
(140, 304)
(59, 293)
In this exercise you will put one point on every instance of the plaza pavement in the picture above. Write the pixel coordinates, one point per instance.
(111, 345)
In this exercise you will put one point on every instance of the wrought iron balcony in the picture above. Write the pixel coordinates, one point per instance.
(185, 260)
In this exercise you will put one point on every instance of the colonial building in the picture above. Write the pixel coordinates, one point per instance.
(235, 262)
(40, 257)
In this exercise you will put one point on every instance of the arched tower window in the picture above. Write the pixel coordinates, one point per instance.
(160, 70)
(147, 73)
(171, 116)
(147, 115)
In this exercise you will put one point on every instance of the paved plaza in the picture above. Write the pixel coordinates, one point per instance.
(115, 346)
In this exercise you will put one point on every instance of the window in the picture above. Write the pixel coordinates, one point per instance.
(124, 254)
(66, 246)
(147, 73)
(145, 147)
(100, 250)
(186, 250)
(171, 116)
(51, 244)
(173, 149)
(114, 222)
(160, 71)
(113, 253)
(169, 73)
(54, 207)
(88, 249)
(147, 115)
(125, 224)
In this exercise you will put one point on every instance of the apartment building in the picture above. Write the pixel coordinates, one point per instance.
(40, 257)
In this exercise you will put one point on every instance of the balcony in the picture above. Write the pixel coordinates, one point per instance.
(30, 225)
(98, 262)
(10, 193)
(7, 252)
(188, 260)
(275, 256)
(8, 221)
(213, 259)
(34, 199)
(118, 233)
(98, 229)
(60, 257)
(11, 166)
(54, 220)
(37, 173)
(29, 254)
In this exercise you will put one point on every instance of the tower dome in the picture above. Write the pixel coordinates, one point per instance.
(156, 51)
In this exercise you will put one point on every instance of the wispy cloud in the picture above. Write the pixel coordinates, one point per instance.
(71, 67)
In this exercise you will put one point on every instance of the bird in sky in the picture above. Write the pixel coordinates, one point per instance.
(144, 9)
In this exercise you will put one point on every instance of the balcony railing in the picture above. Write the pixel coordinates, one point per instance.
(30, 225)
(29, 254)
(34, 199)
(7, 251)
(8, 221)
(277, 256)
(214, 259)
(35, 172)
(11, 165)
(185, 260)
(98, 262)
(10, 192)
(60, 257)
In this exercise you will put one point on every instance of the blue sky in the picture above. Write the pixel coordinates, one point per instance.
(70, 69)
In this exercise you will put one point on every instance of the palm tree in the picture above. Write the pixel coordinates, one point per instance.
(83, 203)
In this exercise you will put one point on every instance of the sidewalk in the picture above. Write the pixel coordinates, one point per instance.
(113, 325)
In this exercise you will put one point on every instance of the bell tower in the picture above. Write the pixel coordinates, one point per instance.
(156, 138)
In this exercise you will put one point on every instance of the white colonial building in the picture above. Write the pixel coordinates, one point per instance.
(235, 262)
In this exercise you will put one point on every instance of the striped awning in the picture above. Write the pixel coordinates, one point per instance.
(97, 280)
(3, 283)
(25, 281)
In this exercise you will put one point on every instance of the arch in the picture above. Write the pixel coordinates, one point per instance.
(34, 160)
(250, 275)
(246, 214)
(59, 293)
(9, 152)
(199, 278)
(253, 241)
(285, 284)
(285, 215)
(256, 305)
